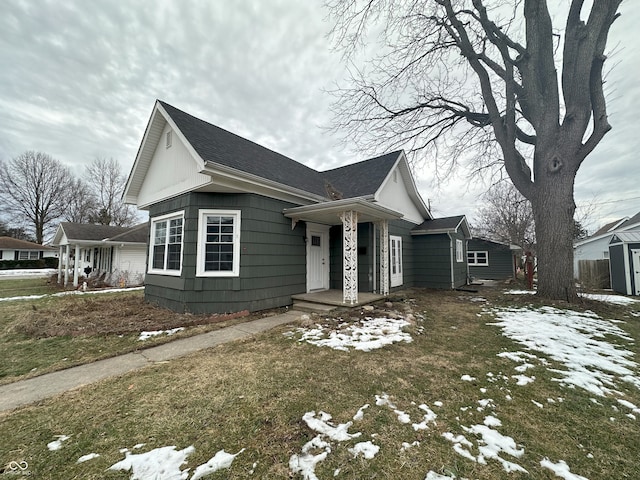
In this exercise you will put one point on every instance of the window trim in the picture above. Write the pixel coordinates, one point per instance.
(475, 262)
(459, 251)
(200, 257)
(29, 255)
(152, 231)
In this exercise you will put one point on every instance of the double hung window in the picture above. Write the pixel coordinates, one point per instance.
(478, 259)
(166, 244)
(218, 243)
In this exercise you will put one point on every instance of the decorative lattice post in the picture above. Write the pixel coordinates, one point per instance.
(350, 256)
(384, 256)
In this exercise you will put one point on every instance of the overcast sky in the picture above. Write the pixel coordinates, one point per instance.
(78, 80)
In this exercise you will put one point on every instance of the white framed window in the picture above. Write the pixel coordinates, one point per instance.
(395, 254)
(168, 139)
(478, 259)
(165, 247)
(459, 251)
(605, 254)
(218, 243)
(28, 255)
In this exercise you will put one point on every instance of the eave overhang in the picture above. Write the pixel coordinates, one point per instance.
(461, 224)
(328, 213)
(238, 180)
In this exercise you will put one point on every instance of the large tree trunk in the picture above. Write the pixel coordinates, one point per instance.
(553, 209)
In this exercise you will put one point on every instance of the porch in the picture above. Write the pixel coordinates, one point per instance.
(348, 214)
(327, 300)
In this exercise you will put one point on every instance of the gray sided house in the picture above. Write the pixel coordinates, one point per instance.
(490, 260)
(118, 255)
(440, 247)
(624, 258)
(236, 226)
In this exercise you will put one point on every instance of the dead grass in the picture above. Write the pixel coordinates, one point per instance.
(95, 315)
(252, 394)
(52, 333)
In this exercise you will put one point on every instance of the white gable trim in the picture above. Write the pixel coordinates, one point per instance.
(401, 167)
(153, 135)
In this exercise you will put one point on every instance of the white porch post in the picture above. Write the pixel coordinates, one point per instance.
(66, 264)
(350, 256)
(384, 257)
(76, 262)
(59, 264)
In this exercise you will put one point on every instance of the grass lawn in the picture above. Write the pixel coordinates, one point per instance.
(12, 287)
(253, 395)
(52, 333)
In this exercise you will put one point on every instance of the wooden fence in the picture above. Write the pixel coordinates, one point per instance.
(594, 273)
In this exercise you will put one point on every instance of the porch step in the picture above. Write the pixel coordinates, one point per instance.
(312, 307)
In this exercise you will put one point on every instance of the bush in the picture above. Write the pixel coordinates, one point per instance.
(48, 262)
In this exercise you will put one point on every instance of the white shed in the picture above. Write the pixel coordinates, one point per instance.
(625, 262)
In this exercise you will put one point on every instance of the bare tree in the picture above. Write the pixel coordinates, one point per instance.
(106, 184)
(34, 187)
(506, 217)
(14, 232)
(456, 78)
(81, 203)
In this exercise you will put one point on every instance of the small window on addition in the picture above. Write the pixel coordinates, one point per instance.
(168, 138)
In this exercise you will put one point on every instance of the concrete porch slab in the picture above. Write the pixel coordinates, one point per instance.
(335, 298)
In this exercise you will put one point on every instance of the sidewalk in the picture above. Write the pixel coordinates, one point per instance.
(35, 389)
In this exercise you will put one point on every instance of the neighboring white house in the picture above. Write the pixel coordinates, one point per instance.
(118, 253)
(14, 249)
(596, 247)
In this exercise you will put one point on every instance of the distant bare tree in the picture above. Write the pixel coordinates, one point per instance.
(506, 217)
(106, 183)
(34, 187)
(81, 204)
(15, 232)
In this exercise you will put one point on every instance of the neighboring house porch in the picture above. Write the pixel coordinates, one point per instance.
(115, 254)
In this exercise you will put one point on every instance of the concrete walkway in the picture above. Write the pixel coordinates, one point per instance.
(35, 389)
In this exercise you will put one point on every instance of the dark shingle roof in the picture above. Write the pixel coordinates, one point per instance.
(136, 234)
(362, 178)
(633, 220)
(87, 231)
(10, 243)
(217, 145)
(606, 228)
(220, 146)
(439, 224)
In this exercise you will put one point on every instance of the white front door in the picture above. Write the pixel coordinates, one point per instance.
(635, 254)
(317, 257)
(396, 260)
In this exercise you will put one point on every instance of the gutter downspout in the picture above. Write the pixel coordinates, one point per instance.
(466, 261)
(451, 254)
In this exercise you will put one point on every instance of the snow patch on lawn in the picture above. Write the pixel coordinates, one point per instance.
(57, 444)
(366, 335)
(147, 335)
(164, 464)
(561, 469)
(580, 341)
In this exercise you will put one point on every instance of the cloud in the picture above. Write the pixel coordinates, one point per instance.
(79, 80)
